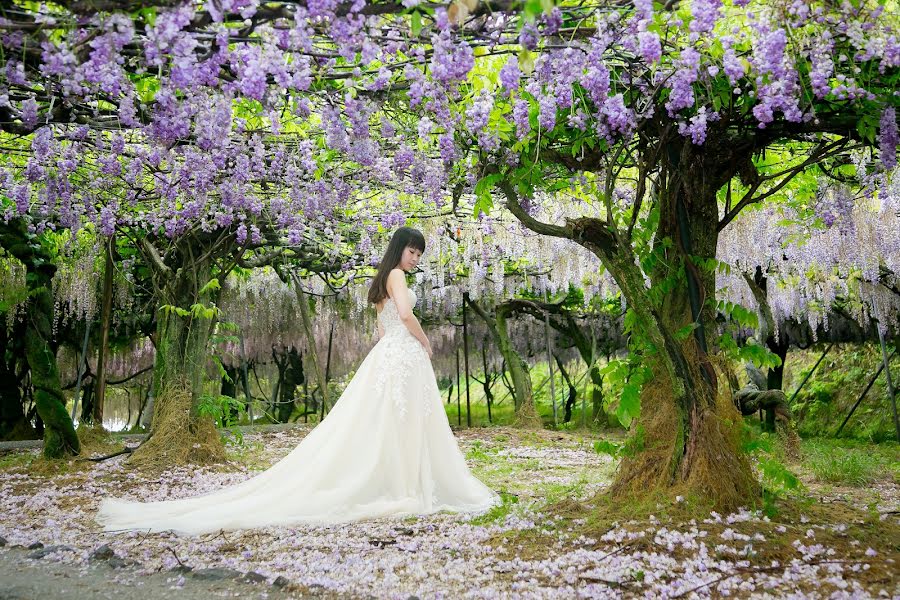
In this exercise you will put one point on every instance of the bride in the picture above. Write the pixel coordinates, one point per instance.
(384, 450)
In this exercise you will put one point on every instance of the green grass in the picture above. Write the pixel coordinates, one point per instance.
(15, 459)
(504, 413)
(498, 513)
(852, 463)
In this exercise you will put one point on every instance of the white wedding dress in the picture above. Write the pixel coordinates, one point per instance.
(384, 450)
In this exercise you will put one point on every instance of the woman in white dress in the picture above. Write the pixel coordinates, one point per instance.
(384, 450)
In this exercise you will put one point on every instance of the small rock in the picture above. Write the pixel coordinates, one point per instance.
(42, 552)
(35, 546)
(181, 569)
(103, 552)
(118, 563)
(405, 531)
(215, 574)
(253, 577)
(413, 598)
(3, 541)
(281, 582)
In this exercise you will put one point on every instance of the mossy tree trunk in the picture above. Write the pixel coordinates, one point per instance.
(690, 430)
(526, 414)
(60, 439)
(181, 431)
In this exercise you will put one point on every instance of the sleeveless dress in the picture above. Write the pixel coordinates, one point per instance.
(384, 450)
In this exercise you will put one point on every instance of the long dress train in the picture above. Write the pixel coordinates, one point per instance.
(385, 449)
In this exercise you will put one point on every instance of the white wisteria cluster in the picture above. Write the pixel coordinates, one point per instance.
(809, 265)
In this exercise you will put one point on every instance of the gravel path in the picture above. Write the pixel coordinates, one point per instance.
(23, 578)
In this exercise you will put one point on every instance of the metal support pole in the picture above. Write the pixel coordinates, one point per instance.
(458, 405)
(863, 395)
(808, 375)
(466, 355)
(550, 361)
(890, 383)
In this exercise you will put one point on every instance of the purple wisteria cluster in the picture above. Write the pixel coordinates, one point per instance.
(210, 113)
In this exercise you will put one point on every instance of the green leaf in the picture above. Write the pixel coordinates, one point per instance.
(416, 24)
(606, 447)
(629, 404)
(484, 202)
(533, 8)
(685, 332)
(526, 63)
(212, 285)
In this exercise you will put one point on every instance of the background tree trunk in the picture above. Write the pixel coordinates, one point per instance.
(105, 321)
(526, 414)
(60, 439)
(13, 424)
(181, 433)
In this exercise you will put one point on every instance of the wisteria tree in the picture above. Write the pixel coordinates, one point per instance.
(674, 120)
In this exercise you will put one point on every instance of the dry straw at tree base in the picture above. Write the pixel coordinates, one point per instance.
(179, 437)
(713, 466)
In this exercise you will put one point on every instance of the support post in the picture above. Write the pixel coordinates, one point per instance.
(328, 365)
(458, 405)
(808, 375)
(863, 395)
(890, 383)
(550, 361)
(487, 380)
(466, 355)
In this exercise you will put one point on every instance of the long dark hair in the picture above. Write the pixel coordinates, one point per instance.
(402, 238)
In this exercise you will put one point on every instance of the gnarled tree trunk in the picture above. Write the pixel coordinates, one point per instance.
(689, 427)
(181, 431)
(523, 393)
(60, 439)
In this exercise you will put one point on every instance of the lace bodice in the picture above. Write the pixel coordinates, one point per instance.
(402, 353)
(389, 317)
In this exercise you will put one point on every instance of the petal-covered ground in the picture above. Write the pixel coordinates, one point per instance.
(543, 542)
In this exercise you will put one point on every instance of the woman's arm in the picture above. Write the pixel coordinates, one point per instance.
(396, 286)
(380, 330)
